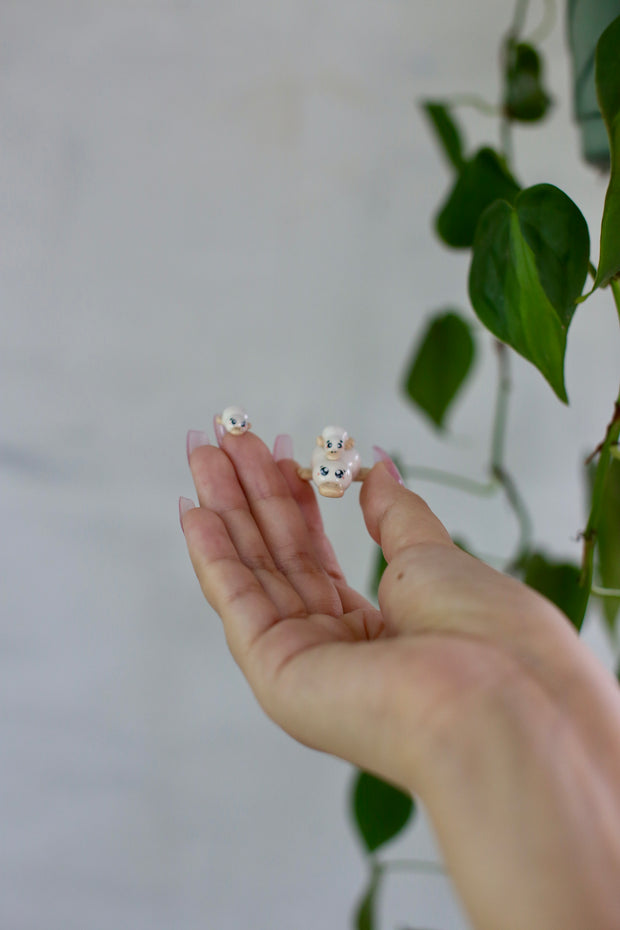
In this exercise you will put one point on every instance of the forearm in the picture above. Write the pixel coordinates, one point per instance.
(528, 825)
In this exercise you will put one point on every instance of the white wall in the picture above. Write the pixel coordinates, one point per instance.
(205, 203)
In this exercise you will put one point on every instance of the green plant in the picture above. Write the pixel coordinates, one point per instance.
(530, 259)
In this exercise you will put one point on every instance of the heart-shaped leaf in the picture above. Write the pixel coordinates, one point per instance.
(440, 365)
(380, 810)
(481, 180)
(559, 582)
(447, 132)
(608, 90)
(525, 98)
(528, 269)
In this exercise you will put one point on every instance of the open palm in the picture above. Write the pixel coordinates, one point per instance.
(463, 685)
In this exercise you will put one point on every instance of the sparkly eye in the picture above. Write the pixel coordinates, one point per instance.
(243, 423)
(233, 422)
(340, 444)
(324, 470)
(329, 443)
(339, 473)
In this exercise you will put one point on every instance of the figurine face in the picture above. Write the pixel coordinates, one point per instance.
(332, 478)
(333, 441)
(235, 420)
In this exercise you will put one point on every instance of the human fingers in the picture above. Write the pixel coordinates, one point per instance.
(231, 587)
(306, 498)
(303, 493)
(219, 492)
(396, 518)
(281, 523)
(432, 586)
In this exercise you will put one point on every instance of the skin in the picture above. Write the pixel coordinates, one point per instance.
(466, 687)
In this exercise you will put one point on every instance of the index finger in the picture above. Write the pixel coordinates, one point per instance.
(281, 523)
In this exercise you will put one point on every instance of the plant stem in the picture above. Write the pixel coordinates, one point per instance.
(615, 290)
(545, 25)
(450, 479)
(604, 592)
(475, 101)
(411, 865)
(518, 20)
(498, 436)
(598, 496)
(496, 467)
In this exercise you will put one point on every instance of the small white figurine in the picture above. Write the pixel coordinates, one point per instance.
(335, 463)
(235, 420)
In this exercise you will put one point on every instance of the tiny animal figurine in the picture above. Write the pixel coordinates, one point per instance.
(336, 463)
(235, 420)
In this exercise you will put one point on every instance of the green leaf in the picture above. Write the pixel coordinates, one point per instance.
(559, 583)
(441, 362)
(378, 568)
(366, 912)
(525, 98)
(608, 90)
(483, 179)
(528, 269)
(446, 130)
(380, 810)
(608, 543)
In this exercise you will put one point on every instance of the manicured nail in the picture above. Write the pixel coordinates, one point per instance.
(381, 456)
(195, 438)
(219, 429)
(283, 447)
(185, 504)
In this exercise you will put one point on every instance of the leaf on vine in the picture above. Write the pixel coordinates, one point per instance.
(559, 583)
(380, 810)
(378, 568)
(525, 98)
(608, 543)
(365, 914)
(441, 362)
(446, 130)
(528, 268)
(482, 179)
(608, 90)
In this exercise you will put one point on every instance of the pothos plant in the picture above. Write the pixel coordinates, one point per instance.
(530, 262)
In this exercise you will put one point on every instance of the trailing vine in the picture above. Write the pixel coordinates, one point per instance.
(530, 260)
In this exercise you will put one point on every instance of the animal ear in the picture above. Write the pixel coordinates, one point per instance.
(218, 419)
(320, 441)
(249, 425)
(349, 443)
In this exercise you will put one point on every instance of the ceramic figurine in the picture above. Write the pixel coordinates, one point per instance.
(234, 420)
(336, 463)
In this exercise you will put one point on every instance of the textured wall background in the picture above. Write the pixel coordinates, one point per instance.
(205, 203)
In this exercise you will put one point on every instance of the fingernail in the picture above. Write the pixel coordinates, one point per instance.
(283, 447)
(195, 438)
(185, 504)
(381, 456)
(219, 430)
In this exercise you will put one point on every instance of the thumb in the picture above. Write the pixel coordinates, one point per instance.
(397, 518)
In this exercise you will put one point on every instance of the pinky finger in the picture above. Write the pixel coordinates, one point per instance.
(229, 586)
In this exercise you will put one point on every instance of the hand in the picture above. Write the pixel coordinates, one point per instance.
(467, 688)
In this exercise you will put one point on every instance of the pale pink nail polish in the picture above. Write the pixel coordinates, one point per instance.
(381, 456)
(185, 504)
(195, 438)
(283, 447)
(219, 430)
